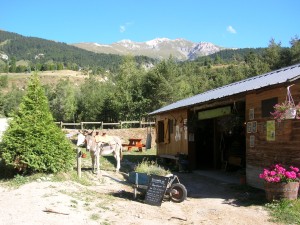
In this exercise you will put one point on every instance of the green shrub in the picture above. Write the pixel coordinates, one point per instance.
(33, 142)
(151, 167)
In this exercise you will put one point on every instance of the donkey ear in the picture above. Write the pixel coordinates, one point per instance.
(84, 132)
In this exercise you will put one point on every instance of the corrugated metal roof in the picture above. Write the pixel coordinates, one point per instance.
(275, 77)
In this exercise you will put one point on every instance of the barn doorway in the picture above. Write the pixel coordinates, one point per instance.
(204, 141)
(220, 142)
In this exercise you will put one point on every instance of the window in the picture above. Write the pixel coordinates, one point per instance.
(267, 106)
(163, 131)
(160, 131)
(171, 124)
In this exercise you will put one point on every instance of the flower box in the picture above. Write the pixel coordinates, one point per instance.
(277, 191)
(281, 182)
(287, 109)
(290, 113)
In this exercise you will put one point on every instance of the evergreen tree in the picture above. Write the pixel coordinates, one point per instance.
(272, 55)
(12, 65)
(295, 50)
(33, 142)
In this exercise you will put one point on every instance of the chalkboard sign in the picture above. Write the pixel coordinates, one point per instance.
(156, 190)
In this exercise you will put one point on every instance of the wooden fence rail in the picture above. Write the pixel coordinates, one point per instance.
(102, 125)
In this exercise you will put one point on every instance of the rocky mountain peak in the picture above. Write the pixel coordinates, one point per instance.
(161, 48)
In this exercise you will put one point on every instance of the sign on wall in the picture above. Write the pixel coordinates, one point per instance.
(252, 141)
(271, 130)
(251, 114)
(213, 113)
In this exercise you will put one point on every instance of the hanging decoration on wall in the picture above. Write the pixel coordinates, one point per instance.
(286, 110)
(177, 133)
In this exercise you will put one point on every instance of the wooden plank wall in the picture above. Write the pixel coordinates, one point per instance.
(284, 149)
(174, 146)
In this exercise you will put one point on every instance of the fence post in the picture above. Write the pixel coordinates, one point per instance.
(79, 162)
(81, 125)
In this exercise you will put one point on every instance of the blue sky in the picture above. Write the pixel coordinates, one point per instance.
(227, 23)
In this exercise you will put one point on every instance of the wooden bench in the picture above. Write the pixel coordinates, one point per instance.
(173, 158)
(134, 142)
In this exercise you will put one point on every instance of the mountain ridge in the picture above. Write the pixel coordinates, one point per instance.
(160, 48)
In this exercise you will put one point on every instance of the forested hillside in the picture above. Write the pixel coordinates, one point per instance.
(31, 53)
(232, 55)
(133, 91)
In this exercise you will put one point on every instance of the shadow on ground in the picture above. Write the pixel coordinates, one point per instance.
(199, 186)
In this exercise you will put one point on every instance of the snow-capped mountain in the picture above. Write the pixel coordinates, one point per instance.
(161, 48)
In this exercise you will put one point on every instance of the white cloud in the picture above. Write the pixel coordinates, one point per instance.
(230, 29)
(122, 29)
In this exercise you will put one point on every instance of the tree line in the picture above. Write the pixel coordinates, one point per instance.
(132, 92)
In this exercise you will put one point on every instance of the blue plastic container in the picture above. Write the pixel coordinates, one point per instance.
(139, 178)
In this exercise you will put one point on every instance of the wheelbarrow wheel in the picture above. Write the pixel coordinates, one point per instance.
(178, 193)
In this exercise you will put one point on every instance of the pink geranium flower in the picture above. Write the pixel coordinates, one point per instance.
(279, 174)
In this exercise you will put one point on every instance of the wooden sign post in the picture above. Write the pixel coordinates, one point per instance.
(156, 190)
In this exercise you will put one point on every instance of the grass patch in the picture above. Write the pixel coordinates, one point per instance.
(81, 195)
(285, 211)
(18, 181)
(135, 156)
(94, 216)
(102, 206)
(105, 222)
(74, 203)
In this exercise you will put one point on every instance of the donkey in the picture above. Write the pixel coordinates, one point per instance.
(98, 148)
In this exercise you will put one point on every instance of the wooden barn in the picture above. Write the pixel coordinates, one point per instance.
(231, 127)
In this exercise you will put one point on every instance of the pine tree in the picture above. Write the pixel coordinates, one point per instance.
(33, 142)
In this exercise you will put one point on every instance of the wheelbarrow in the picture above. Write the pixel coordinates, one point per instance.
(175, 191)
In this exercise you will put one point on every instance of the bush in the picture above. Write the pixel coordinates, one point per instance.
(151, 167)
(33, 142)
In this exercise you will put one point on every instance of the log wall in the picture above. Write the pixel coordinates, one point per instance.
(285, 148)
(179, 144)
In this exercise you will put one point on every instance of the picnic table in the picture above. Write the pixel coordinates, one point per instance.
(134, 142)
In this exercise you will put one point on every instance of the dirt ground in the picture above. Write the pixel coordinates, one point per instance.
(109, 200)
